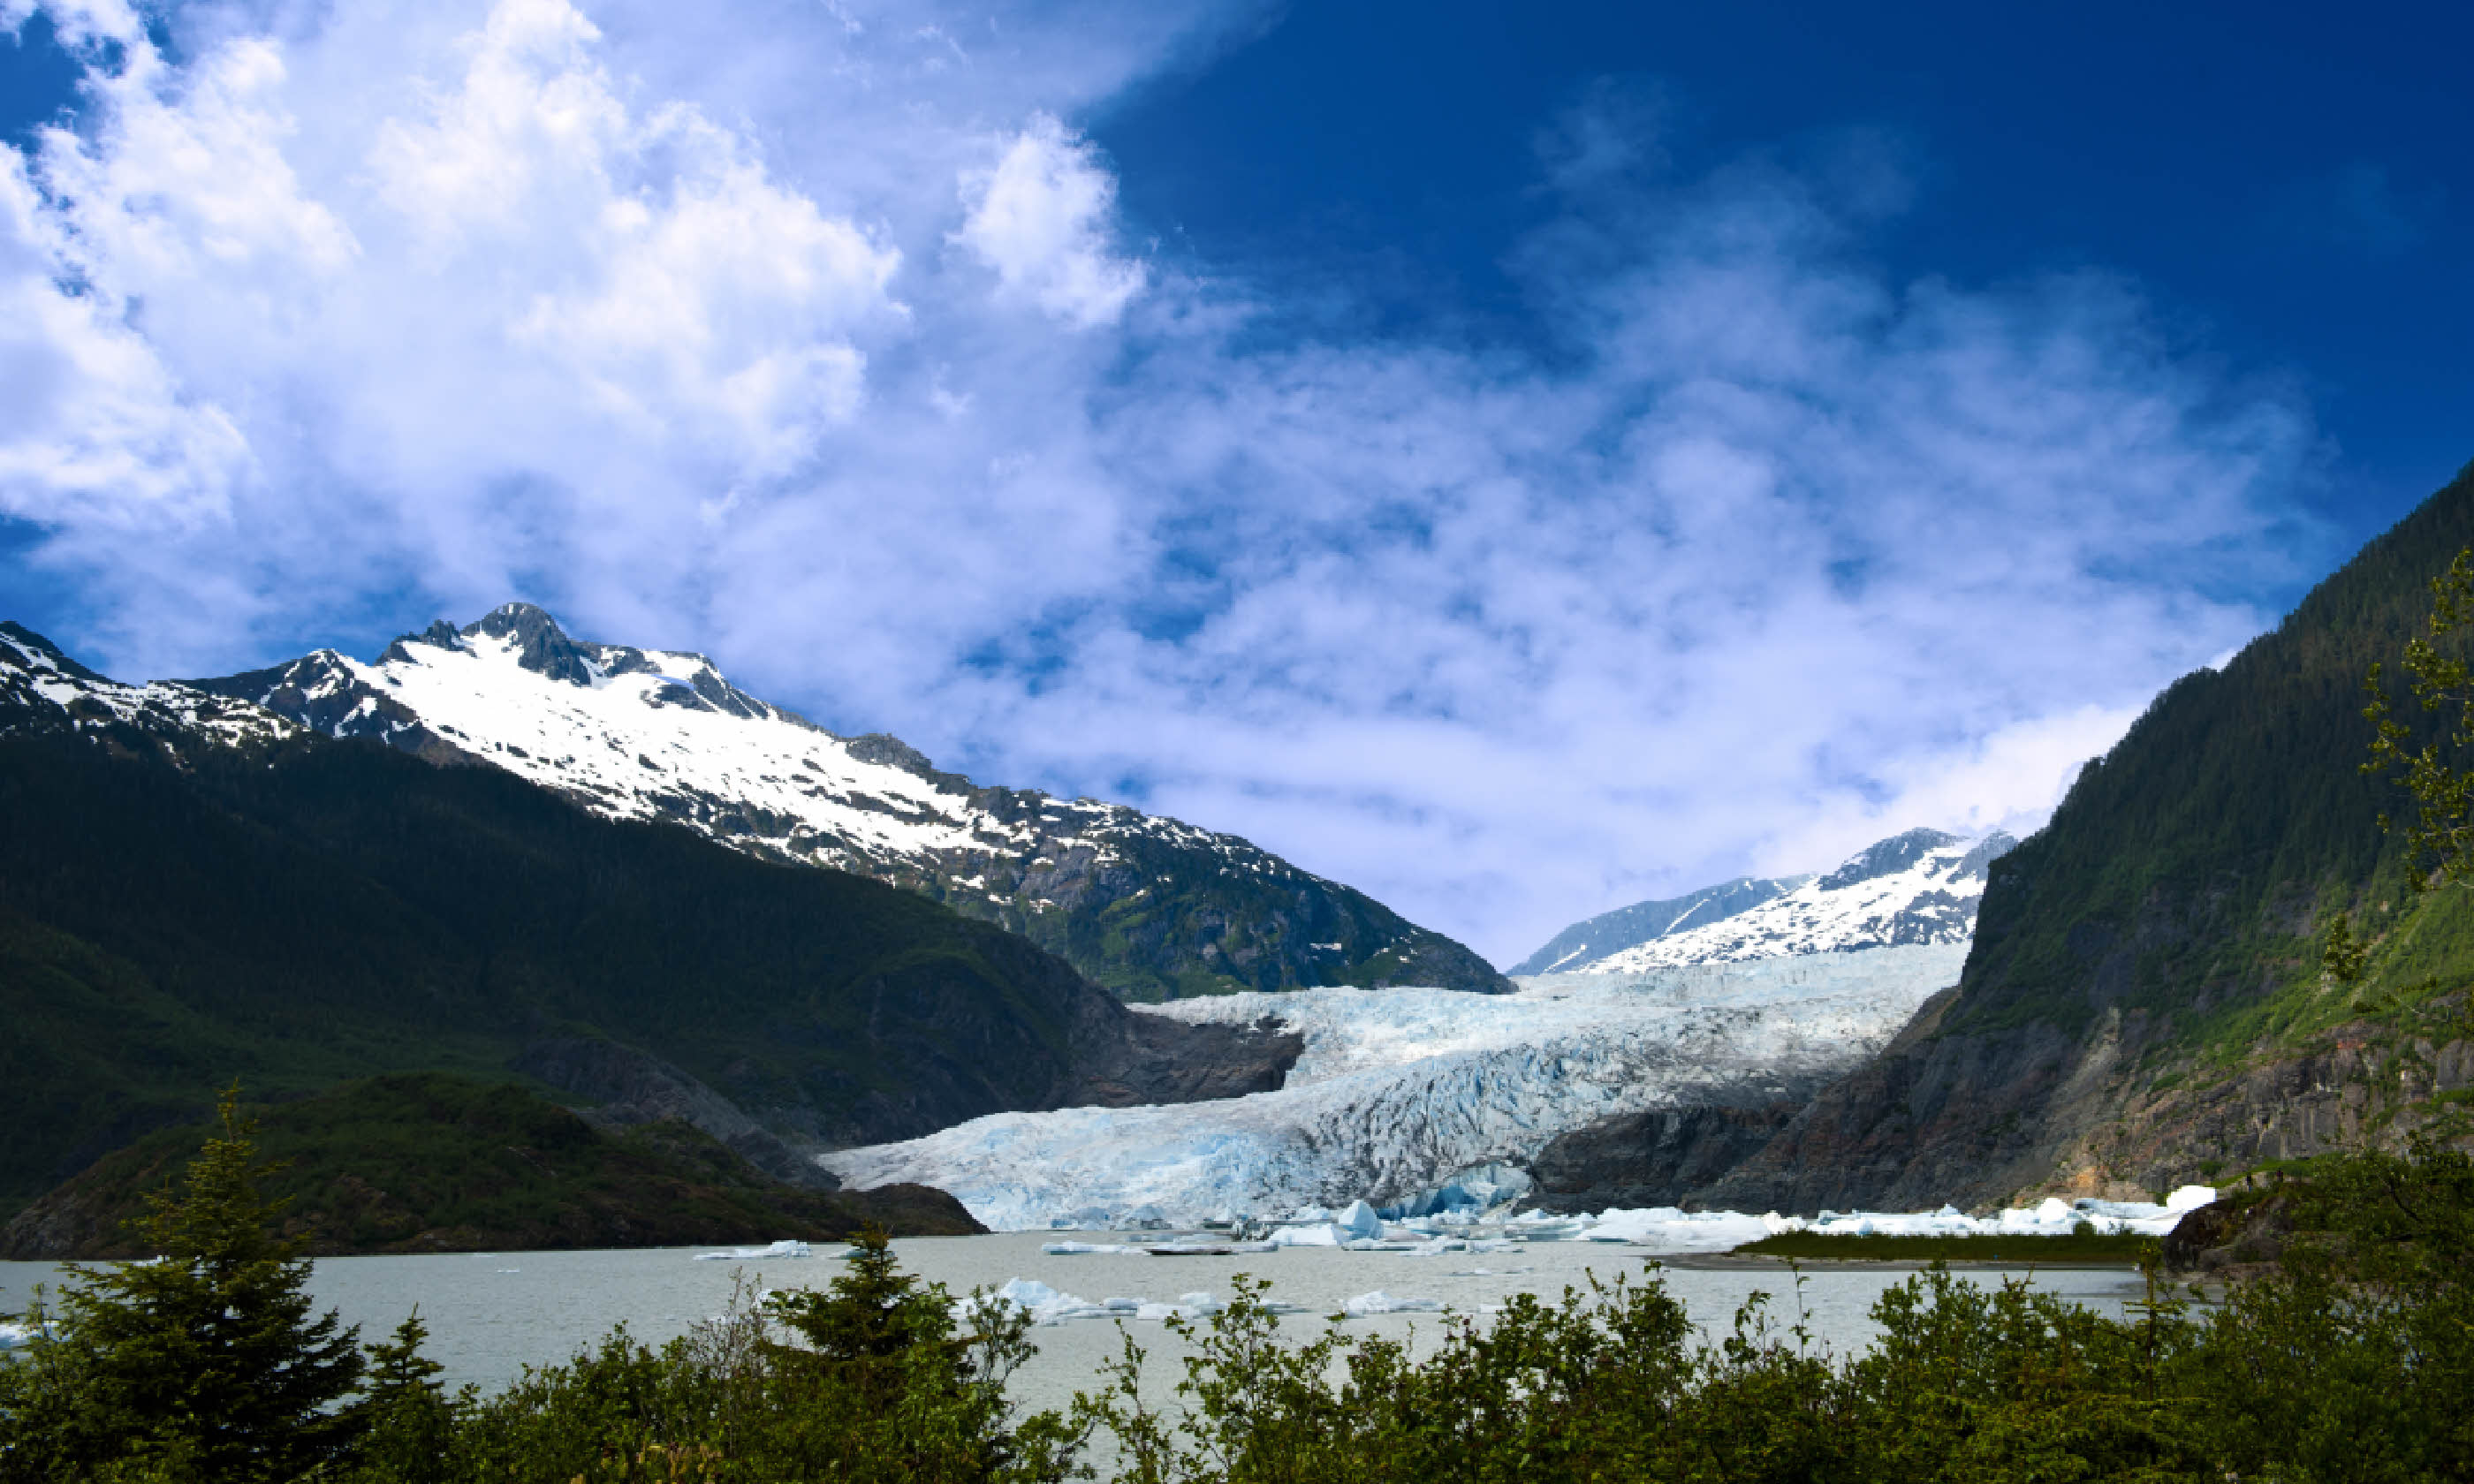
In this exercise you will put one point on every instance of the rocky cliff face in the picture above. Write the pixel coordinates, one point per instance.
(1655, 1159)
(1148, 907)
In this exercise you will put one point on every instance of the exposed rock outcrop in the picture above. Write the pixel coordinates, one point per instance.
(1660, 1157)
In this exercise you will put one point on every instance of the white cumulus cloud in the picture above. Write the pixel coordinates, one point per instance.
(1040, 218)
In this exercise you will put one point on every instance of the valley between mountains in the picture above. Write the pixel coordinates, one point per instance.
(620, 954)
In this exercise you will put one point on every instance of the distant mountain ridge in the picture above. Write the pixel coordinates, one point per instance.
(1584, 944)
(1920, 887)
(1148, 907)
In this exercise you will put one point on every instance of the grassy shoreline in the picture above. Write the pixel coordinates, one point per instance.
(2077, 1247)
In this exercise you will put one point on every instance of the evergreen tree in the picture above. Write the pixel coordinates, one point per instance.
(410, 1416)
(874, 1312)
(205, 1362)
(2342, 955)
(2441, 838)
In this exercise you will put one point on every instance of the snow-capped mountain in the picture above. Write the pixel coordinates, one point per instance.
(1149, 907)
(1396, 1093)
(1920, 887)
(43, 688)
(1609, 933)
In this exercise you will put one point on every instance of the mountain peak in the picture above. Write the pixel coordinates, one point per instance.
(1887, 857)
(1585, 944)
(42, 689)
(542, 646)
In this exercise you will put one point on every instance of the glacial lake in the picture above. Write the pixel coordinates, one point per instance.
(490, 1314)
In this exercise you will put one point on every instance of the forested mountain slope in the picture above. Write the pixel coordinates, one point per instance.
(2144, 1002)
(179, 907)
(423, 1161)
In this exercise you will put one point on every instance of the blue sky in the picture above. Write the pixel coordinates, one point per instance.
(1516, 462)
(2288, 182)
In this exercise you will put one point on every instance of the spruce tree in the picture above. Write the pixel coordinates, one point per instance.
(208, 1355)
(411, 1416)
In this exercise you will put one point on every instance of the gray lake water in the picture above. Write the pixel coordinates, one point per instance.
(491, 1314)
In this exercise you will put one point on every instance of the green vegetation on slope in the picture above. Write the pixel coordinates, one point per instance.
(323, 910)
(2192, 869)
(1194, 927)
(422, 1161)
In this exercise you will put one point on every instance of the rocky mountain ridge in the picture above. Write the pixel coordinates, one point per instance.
(1149, 907)
(43, 689)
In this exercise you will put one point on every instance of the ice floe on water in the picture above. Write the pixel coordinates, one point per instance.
(1403, 1096)
(1668, 1229)
(1366, 1305)
(1047, 1305)
(2052, 1217)
(786, 1248)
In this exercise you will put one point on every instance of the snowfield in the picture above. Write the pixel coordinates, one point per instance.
(1399, 1090)
(660, 734)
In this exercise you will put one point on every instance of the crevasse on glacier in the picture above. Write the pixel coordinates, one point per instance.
(1397, 1091)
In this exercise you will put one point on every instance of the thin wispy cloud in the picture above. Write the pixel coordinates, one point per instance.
(835, 358)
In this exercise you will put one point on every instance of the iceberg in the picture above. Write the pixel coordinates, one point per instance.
(1322, 1233)
(1360, 1221)
(1665, 1229)
(1401, 1094)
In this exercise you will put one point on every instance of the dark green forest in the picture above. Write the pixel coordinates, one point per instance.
(299, 915)
(425, 1162)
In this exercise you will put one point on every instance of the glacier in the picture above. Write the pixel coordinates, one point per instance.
(1397, 1092)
